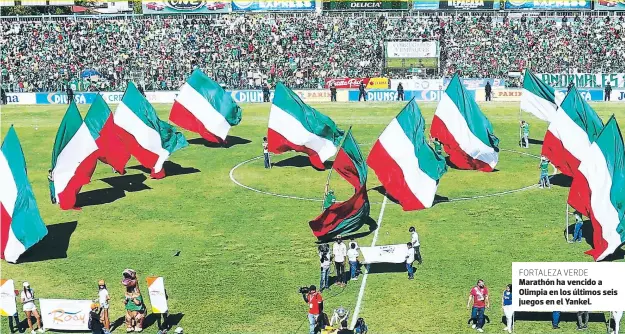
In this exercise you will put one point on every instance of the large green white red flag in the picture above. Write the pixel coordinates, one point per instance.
(203, 107)
(351, 215)
(572, 130)
(293, 125)
(598, 190)
(111, 149)
(408, 168)
(74, 158)
(21, 225)
(464, 131)
(150, 140)
(538, 98)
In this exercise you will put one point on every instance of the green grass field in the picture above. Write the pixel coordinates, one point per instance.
(244, 254)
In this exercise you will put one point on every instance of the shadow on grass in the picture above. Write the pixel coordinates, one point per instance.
(535, 141)
(299, 161)
(53, 246)
(561, 180)
(171, 169)
(117, 323)
(454, 166)
(588, 235)
(119, 186)
(171, 321)
(368, 221)
(230, 142)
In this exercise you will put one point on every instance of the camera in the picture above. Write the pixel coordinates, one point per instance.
(324, 248)
(304, 290)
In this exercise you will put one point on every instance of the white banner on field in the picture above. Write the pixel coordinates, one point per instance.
(385, 254)
(65, 314)
(568, 286)
(158, 297)
(411, 49)
(7, 298)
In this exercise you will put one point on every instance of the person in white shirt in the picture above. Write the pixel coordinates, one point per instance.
(339, 252)
(409, 261)
(617, 315)
(414, 239)
(266, 153)
(29, 307)
(103, 299)
(352, 256)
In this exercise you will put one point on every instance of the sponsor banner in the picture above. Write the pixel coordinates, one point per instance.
(21, 98)
(417, 84)
(385, 254)
(309, 96)
(7, 298)
(500, 95)
(610, 5)
(161, 96)
(411, 49)
(185, 6)
(112, 97)
(273, 5)
(158, 296)
(472, 84)
(365, 5)
(618, 95)
(425, 5)
(584, 80)
(248, 96)
(468, 4)
(391, 95)
(586, 94)
(343, 83)
(61, 98)
(543, 4)
(65, 314)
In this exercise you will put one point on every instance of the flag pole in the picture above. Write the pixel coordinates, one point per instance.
(566, 228)
(327, 186)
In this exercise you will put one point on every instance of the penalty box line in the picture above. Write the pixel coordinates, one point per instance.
(364, 278)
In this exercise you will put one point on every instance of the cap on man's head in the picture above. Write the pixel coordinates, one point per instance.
(26, 284)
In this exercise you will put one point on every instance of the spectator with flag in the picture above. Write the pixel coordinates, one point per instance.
(525, 129)
(405, 164)
(597, 190)
(293, 125)
(543, 166)
(20, 220)
(465, 132)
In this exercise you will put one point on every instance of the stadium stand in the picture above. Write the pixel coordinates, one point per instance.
(301, 50)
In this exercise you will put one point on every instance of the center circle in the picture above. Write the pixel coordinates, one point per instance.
(451, 188)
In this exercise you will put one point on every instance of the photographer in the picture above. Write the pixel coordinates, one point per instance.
(315, 305)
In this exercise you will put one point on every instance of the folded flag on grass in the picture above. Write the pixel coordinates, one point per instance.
(598, 190)
(349, 216)
(150, 140)
(464, 131)
(293, 125)
(101, 125)
(572, 130)
(74, 158)
(21, 225)
(205, 108)
(538, 98)
(408, 168)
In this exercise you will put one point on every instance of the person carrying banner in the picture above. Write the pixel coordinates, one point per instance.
(352, 257)
(438, 146)
(329, 198)
(608, 92)
(51, 186)
(410, 260)
(30, 309)
(414, 239)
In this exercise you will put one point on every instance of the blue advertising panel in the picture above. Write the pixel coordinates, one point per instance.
(425, 5)
(586, 94)
(247, 96)
(548, 4)
(391, 95)
(61, 98)
(610, 5)
(273, 5)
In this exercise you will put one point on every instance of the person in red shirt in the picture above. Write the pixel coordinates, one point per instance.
(315, 306)
(479, 296)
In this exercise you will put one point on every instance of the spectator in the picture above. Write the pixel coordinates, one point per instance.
(479, 297)
(352, 256)
(333, 92)
(608, 92)
(339, 252)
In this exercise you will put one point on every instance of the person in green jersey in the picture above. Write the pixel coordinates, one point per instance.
(328, 198)
(438, 146)
(544, 172)
(51, 186)
(525, 130)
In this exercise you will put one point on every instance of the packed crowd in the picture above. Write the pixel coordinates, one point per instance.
(247, 51)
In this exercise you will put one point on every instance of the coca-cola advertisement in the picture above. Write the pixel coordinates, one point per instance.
(346, 83)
